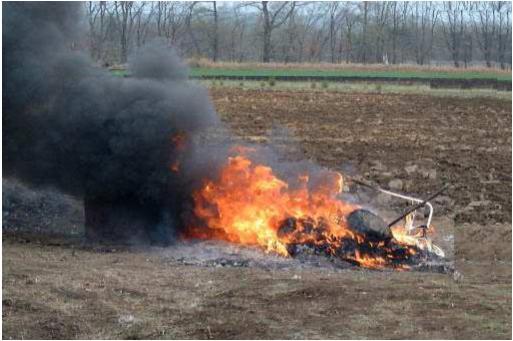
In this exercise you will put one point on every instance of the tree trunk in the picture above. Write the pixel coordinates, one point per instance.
(266, 56)
(364, 38)
(455, 59)
(349, 45)
(333, 39)
(394, 35)
(215, 44)
(123, 21)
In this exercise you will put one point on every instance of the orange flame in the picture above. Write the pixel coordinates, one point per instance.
(178, 140)
(175, 166)
(249, 204)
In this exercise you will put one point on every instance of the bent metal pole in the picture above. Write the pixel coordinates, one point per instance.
(419, 205)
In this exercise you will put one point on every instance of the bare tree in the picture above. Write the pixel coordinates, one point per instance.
(334, 17)
(290, 37)
(349, 19)
(170, 19)
(425, 16)
(215, 34)
(142, 21)
(452, 28)
(503, 10)
(363, 44)
(399, 22)
(313, 38)
(237, 34)
(122, 14)
(97, 17)
(395, 30)
(404, 28)
(161, 10)
(287, 31)
(274, 15)
(381, 11)
(190, 31)
(483, 16)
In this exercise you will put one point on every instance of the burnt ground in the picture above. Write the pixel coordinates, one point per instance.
(58, 287)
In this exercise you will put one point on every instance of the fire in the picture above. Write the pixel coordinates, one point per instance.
(251, 205)
(179, 141)
(175, 166)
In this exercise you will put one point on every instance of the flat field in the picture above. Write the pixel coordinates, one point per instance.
(208, 68)
(204, 68)
(218, 72)
(58, 287)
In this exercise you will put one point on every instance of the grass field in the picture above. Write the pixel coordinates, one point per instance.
(203, 68)
(214, 72)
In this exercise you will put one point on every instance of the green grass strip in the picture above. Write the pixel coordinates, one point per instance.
(215, 72)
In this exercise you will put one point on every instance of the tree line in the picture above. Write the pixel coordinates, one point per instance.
(388, 32)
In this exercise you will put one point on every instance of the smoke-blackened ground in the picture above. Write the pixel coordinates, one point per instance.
(57, 287)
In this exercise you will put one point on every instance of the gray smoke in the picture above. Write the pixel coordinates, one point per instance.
(73, 126)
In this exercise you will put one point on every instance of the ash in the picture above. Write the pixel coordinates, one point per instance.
(219, 254)
(210, 253)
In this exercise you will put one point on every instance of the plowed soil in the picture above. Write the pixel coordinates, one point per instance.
(459, 141)
(423, 141)
(57, 287)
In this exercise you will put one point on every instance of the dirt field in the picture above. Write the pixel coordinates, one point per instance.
(461, 141)
(55, 287)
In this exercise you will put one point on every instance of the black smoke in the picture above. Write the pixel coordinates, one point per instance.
(111, 141)
(71, 125)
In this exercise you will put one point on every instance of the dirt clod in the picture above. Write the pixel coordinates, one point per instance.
(395, 185)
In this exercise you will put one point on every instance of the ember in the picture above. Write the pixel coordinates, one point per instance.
(249, 204)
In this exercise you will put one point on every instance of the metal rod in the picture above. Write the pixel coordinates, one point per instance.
(419, 205)
(379, 189)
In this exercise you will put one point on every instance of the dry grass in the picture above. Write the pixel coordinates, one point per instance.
(70, 292)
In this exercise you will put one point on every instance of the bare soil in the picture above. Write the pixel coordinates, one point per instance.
(465, 142)
(56, 286)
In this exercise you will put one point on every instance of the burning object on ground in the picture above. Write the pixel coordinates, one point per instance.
(247, 203)
(124, 146)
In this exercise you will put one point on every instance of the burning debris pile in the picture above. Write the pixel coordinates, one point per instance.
(249, 204)
(128, 147)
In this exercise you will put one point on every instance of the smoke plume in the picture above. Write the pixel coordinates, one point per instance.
(124, 145)
(71, 125)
